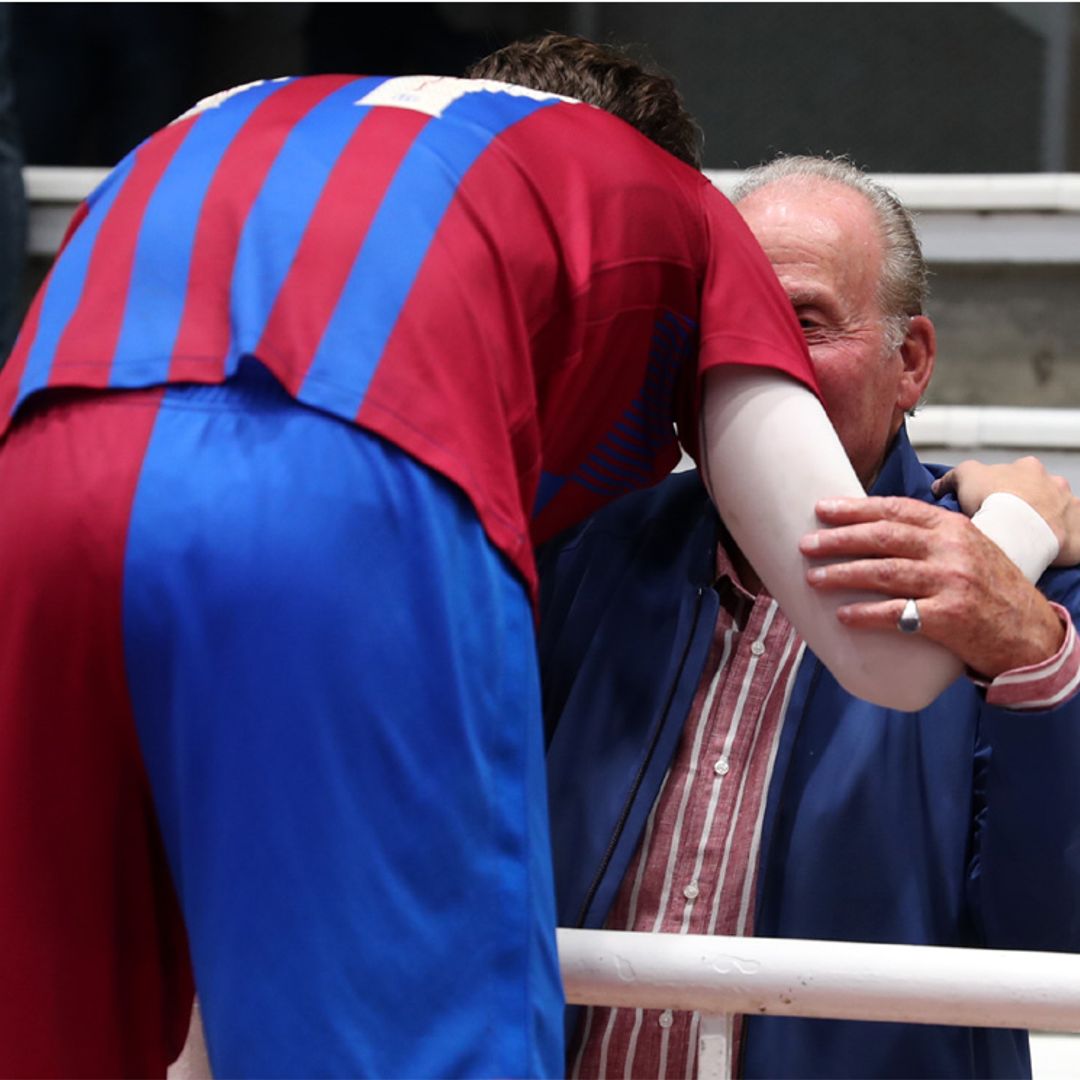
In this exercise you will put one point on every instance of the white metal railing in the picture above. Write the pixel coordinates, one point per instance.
(721, 976)
(977, 218)
(984, 217)
(53, 192)
(970, 192)
(1006, 426)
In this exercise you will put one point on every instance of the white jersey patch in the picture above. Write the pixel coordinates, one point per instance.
(214, 100)
(432, 94)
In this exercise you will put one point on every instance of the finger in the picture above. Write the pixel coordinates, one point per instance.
(1033, 464)
(878, 539)
(879, 614)
(944, 485)
(890, 577)
(875, 508)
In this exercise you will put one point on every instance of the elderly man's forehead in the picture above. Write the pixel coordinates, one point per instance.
(821, 236)
(814, 208)
(810, 196)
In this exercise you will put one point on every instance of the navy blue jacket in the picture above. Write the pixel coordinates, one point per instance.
(956, 825)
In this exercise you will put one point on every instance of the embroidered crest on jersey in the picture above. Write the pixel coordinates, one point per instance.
(433, 94)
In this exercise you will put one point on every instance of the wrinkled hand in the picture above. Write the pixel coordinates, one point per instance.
(1029, 479)
(972, 599)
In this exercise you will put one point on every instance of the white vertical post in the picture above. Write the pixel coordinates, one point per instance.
(714, 1047)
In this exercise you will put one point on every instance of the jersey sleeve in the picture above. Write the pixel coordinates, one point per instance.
(746, 318)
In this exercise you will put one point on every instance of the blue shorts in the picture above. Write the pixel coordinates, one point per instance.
(332, 677)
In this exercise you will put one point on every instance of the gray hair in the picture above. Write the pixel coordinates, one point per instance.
(904, 287)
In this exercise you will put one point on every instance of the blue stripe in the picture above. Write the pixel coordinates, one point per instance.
(629, 446)
(645, 428)
(634, 433)
(615, 472)
(159, 281)
(289, 740)
(398, 242)
(65, 287)
(667, 341)
(600, 483)
(678, 326)
(281, 214)
(550, 485)
(639, 463)
(664, 358)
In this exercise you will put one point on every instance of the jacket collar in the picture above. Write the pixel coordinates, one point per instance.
(902, 473)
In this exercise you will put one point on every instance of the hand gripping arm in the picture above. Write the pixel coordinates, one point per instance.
(769, 453)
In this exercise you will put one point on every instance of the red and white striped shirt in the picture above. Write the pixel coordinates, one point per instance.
(695, 869)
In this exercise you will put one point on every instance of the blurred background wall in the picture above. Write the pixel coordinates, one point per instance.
(938, 88)
(982, 87)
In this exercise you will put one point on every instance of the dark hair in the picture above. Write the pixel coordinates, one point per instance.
(604, 76)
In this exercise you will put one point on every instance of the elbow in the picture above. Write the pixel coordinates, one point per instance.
(902, 673)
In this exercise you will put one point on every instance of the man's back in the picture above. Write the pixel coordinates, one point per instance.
(418, 256)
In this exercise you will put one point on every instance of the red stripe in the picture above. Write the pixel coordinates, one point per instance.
(97, 980)
(333, 238)
(20, 353)
(205, 328)
(94, 329)
(81, 212)
(12, 375)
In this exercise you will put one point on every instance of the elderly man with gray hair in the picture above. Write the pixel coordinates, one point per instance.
(707, 774)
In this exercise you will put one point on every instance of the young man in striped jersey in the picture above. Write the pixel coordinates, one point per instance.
(317, 366)
(708, 775)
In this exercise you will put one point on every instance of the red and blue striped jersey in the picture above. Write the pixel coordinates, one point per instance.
(516, 289)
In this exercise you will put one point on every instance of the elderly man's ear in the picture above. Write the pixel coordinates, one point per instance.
(918, 352)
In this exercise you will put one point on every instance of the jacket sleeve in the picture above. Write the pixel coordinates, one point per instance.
(1024, 874)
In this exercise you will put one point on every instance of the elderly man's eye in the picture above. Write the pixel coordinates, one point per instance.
(812, 328)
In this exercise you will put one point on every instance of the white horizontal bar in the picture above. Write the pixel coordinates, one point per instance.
(977, 237)
(977, 192)
(919, 191)
(1022, 218)
(60, 183)
(48, 223)
(969, 219)
(986, 191)
(854, 981)
(53, 193)
(975, 426)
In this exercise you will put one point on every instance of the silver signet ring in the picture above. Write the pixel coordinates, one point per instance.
(909, 621)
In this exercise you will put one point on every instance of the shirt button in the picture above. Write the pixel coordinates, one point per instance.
(721, 766)
(757, 649)
(665, 1020)
(691, 891)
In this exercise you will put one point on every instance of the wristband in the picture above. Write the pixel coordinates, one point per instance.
(1019, 530)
